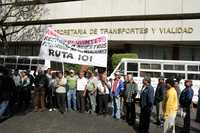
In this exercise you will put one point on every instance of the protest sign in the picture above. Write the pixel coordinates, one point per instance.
(85, 51)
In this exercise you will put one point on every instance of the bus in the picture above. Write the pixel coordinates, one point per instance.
(24, 62)
(177, 69)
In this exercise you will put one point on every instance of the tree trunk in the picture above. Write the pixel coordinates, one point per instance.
(4, 42)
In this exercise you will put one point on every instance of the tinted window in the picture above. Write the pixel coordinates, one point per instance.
(22, 67)
(168, 67)
(155, 66)
(23, 61)
(145, 66)
(194, 76)
(192, 68)
(179, 67)
(10, 60)
(1, 60)
(174, 75)
(132, 67)
(150, 74)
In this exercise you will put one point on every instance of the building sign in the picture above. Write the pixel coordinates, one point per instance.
(85, 51)
(174, 30)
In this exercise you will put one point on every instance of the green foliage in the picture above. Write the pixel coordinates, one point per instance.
(116, 58)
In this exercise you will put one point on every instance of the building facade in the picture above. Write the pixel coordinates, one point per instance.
(153, 29)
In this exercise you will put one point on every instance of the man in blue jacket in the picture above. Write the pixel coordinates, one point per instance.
(146, 103)
(117, 88)
(185, 103)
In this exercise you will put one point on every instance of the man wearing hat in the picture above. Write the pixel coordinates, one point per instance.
(185, 103)
(146, 103)
(71, 94)
(159, 94)
(117, 88)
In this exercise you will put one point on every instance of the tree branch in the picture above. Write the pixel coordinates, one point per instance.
(13, 32)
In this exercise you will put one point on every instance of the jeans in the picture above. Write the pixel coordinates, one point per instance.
(61, 100)
(71, 97)
(3, 107)
(116, 107)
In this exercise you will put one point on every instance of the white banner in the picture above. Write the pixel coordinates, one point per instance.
(85, 51)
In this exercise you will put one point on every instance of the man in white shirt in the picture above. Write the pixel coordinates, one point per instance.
(81, 86)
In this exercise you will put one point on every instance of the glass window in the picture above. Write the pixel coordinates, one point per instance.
(23, 60)
(155, 66)
(41, 61)
(56, 65)
(10, 60)
(121, 69)
(194, 76)
(145, 66)
(174, 75)
(180, 67)
(132, 67)
(150, 74)
(10, 66)
(22, 67)
(168, 67)
(192, 68)
(1, 60)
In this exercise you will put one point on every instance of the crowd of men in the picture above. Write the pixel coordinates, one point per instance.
(91, 92)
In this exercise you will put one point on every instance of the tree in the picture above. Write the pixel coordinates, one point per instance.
(16, 11)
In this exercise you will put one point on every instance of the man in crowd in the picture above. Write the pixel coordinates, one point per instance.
(117, 88)
(185, 103)
(131, 90)
(81, 85)
(24, 91)
(91, 90)
(146, 103)
(170, 106)
(6, 87)
(159, 94)
(71, 94)
(41, 83)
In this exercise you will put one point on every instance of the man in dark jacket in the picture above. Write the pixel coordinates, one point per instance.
(158, 99)
(146, 103)
(41, 83)
(6, 88)
(185, 103)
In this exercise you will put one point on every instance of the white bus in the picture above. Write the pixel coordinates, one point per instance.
(24, 62)
(178, 69)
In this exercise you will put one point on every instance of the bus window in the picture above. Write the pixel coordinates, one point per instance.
(22, 67)
(145, 66)
(23, 61)
(194, 76)
(42, 62)
(180, 67)
(1, 60)
(121, 69)
(10, 60)
(192, 68)
(174, 75)
(155, 66)
(10, 66)
(34, 61)
(56, 65)
(150, 74)
(168, 67)
(132, 67)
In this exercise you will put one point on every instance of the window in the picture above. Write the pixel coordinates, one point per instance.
(192, 68)
(23, 61)
(194, 76)
(180, 67)
(132, 67)
(150, 74)
(10, 66)
(145, 66)
(22, 67)
(174, 75)
(168, 67)
(1, 60)
(10, 60)
(155, 66)
(121, 69)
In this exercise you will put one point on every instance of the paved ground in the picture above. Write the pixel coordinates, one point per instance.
(73, 122)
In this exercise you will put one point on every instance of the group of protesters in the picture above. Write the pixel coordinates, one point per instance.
(90, 92)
